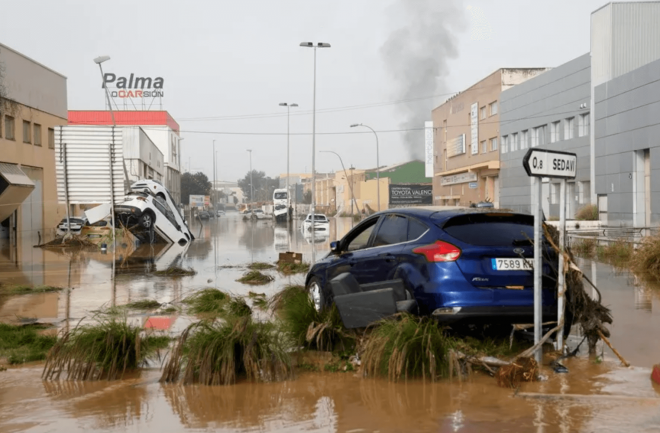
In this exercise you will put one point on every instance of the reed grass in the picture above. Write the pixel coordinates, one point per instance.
(587, 213)
(24, 343)
(260, 266)
(255, 278)
(104, 350)
(27, 290)
(288, 268)
(207, 301)
(407, 347)
(646, 259)
(309, 328)
(175, 271)
(143, 304)
(222, 352)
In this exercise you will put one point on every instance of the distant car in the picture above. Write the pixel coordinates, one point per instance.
(458, 265)
(77, 223)
(482, 204)
(203, 215)
(321, 223)
(260, 215)
(220, 213)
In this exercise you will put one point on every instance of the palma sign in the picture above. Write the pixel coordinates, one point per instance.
(134, 86)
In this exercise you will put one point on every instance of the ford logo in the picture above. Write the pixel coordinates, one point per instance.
(518, 251)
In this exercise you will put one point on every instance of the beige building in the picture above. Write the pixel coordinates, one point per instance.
(33, 101)
(466, 140)
(335, 192)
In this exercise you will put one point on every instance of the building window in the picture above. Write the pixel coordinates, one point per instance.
(483, 112)
(493, 144)
(484, 146)
(583, 125)
(538, 136)
(524, 139)
(493, 108)
(569, 124)
(554, 132)
(10, 134)
(37, 134)
(584, 191)
(505, 144)
(27, 132)
(535, 137)
(51, 138)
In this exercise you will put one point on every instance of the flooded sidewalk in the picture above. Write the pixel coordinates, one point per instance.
(625, 399)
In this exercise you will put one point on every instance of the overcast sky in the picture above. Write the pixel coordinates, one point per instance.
(241, 58)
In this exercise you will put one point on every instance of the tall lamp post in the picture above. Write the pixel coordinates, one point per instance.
(377, 162)
(98, 61)
(213, 187)
(314, 46)
(350, 185)
(251, 185)
(288, 192)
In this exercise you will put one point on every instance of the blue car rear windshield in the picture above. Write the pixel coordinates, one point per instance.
(491, 229)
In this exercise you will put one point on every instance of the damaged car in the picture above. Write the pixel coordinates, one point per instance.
(462, 265)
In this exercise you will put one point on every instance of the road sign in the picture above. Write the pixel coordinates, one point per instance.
(550, 163)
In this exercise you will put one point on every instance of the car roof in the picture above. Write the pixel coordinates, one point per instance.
(440, 214)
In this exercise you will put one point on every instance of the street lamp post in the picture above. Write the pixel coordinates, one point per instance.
(311, 45)
(350, 185)
(251, 185)
(213, 187)
(377, 162)
(288, 192)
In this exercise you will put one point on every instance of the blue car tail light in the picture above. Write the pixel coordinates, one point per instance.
(439, 252)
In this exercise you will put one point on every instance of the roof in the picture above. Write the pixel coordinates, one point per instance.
(5, 47)
(442, 213)
(136, 118)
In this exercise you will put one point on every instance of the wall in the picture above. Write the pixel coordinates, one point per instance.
(409, 172)
(142, 158)
(41, 95)
(628, 121)
(553, 96)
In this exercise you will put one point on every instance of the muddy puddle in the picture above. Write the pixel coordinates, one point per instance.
(312, 401)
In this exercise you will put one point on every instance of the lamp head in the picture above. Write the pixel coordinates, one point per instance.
(101, 59)
(355, 124)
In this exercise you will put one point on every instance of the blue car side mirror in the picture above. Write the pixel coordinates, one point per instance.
(334, 246)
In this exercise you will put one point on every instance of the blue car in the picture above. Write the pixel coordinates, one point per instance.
(464, 265)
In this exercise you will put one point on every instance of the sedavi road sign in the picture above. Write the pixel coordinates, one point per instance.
(550, 163)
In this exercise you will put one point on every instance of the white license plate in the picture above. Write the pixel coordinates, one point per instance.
(507, 264)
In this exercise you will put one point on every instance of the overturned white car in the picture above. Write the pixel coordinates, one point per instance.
(149, 213)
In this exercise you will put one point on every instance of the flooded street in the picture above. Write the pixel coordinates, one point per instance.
(622, 399)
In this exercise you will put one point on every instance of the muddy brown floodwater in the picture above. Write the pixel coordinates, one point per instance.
(599, 396)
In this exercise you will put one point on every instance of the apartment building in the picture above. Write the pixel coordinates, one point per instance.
(33, 102)
(466, 157)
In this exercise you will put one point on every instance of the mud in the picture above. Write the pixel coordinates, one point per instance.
(312, 401)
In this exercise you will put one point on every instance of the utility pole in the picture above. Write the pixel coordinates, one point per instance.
(251, 185)
(213, 186)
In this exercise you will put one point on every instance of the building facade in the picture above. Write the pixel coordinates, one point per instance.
(466, 159)
(33, 102)
(625, 50)
(160, 127)
(550, 111)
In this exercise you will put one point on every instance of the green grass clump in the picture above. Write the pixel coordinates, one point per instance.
(237, 307)
(175, 271)
(587, 213)
(21, 344)
(309, 328)
(168, 310)
(293, 268)
(255, 278)
(617, 253)
(407, 347)
(279, 300)
(260, 266)
(207, 301)
(105, 350)
(584, 248)
(219, 353)
(143, 304)
(27, 290)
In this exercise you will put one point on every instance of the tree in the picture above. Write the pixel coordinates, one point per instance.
(194, 184)
(263, 186)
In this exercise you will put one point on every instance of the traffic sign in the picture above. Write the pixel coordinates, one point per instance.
(550, 163)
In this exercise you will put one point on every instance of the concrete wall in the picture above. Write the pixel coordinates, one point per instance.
(41, 95)
(627, 124)
(551, 97)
